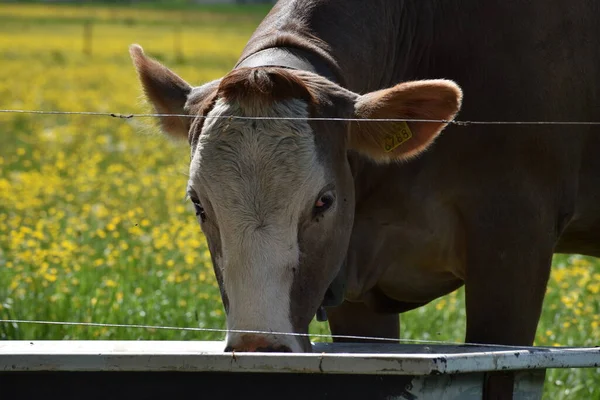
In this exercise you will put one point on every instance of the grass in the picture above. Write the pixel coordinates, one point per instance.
(93, 222)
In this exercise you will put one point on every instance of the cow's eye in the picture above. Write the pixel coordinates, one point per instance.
(199, 210)
(323, 203)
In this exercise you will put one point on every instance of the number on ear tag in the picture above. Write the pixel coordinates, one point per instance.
(394, 140)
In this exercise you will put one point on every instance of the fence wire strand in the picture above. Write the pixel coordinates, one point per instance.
(237, 117)
(314, 335)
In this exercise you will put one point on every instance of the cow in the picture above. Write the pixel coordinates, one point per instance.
(373, 218)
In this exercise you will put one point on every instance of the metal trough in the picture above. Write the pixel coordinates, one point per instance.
(166, 369)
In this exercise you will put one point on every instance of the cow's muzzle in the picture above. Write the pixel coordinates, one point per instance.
(251, 342)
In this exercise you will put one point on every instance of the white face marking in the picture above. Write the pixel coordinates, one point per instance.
(259, 177)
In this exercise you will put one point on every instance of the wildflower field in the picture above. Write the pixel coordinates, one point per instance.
(94, 226)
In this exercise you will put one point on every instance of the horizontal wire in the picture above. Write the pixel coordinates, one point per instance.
(178, 328)
(219, 330)
(237, 117)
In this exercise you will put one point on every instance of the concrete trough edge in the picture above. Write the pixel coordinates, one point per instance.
(327, 358)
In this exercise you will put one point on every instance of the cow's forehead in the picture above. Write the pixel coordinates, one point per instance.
(263, 162)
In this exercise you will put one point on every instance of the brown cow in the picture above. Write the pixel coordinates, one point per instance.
(291, 208)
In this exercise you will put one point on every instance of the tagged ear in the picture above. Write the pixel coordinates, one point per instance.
(390, 141)
(166, 91)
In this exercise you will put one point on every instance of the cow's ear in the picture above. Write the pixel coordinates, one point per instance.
(166, 91)
(389, 141)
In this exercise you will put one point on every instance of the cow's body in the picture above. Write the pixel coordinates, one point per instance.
(486, 205)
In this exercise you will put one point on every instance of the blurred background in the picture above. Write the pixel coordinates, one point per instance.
(93, 222)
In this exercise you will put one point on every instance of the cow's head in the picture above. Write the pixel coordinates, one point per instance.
(275, 197)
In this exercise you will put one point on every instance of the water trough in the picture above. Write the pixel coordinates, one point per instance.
(176, 369)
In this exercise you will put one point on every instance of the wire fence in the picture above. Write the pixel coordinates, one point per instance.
(313, 335)
(237, 117)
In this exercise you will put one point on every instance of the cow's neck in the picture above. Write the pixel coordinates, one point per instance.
(389, 43)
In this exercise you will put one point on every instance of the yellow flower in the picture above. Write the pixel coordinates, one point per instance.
(440, 305)
(190, 259)
(110, 283)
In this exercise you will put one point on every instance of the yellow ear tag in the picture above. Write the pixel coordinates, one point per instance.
(394, 140)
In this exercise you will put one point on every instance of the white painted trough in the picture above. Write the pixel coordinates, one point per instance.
(197, 370)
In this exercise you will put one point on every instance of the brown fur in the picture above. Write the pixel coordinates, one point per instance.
(257, 88)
